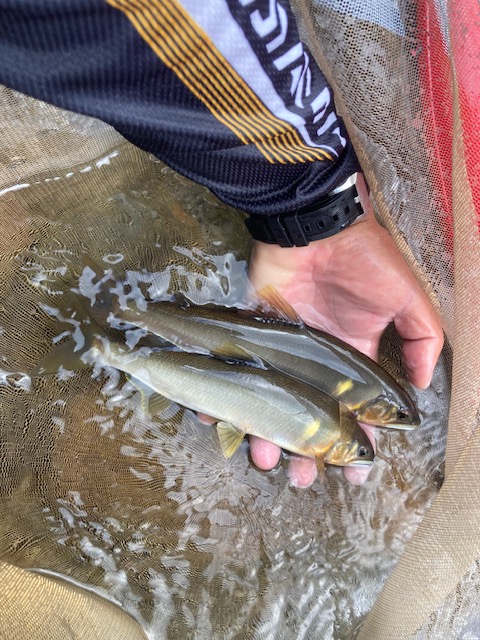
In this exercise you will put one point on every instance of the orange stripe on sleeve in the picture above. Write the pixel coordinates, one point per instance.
(184, 48)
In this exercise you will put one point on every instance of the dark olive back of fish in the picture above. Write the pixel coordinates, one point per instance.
(305, 353)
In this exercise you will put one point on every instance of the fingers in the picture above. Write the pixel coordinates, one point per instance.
(302, 471)
(356, 475)
(264, 454)
(420, 357)
(206, 419)
(420, 328)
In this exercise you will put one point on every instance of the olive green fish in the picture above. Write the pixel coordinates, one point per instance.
(284, 343)
(245, 399)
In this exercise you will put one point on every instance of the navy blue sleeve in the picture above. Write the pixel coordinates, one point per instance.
(223, 91)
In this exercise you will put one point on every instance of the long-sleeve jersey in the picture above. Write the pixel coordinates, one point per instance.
(223, 91)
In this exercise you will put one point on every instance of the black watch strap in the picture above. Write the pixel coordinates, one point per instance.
(327, 217)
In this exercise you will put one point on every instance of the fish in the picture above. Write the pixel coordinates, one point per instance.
(245, 400)
(282, 342)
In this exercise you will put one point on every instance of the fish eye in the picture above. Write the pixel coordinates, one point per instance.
(402, 415)
(363, 451)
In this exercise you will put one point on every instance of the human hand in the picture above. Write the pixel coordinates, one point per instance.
(351, 285)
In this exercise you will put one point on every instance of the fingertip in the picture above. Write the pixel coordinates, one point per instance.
(205, 418)
(302, 472)
(418, 380)
(423, 342)
(419, 374)
(265, 455)
(420, 358)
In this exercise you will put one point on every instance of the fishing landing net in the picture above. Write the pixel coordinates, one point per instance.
(114, 525)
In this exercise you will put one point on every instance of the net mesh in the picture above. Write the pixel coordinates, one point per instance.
(116, 525)
(412, 119)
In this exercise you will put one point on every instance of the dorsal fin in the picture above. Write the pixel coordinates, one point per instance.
(276, 306)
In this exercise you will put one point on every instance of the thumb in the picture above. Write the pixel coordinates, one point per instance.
(420, 328)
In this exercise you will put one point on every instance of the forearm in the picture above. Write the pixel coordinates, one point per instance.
(224, 93)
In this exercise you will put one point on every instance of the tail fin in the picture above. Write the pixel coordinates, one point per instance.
(91, 320)
(64, 357)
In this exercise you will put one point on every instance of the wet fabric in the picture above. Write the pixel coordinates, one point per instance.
(223, 92)
(148, 514)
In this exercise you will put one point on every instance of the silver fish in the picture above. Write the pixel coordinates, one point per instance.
(245, 399)
(288, 345)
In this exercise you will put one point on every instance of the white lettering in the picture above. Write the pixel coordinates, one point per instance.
(320, 103)
(332, 118)
(301, 83)
(306, 136)
(290, 56)
(296, 61)
(336, 132)
(265, 26)
(280, 39)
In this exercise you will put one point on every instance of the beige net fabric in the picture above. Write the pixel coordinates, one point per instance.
(377, 59)
(36, 606)
(408, 88)
(112, 522)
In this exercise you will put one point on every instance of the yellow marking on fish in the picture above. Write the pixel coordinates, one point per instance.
(356, 407)
(311, 429)
(342, 387)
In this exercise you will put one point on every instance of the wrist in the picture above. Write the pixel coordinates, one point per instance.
(276, 265)
(330, 215)
(273, 264)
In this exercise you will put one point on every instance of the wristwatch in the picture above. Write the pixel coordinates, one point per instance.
(339, 208)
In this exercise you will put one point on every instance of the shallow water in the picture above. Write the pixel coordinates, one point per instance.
(147, 511)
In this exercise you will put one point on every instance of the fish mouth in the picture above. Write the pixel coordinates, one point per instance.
(353, 463)
(388, 412)
(360, 463)
(402, 426)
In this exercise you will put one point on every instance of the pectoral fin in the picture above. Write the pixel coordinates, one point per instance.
(232, 351)
(230, 437)
(157, 403)
(347, 417)
(152, 402)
